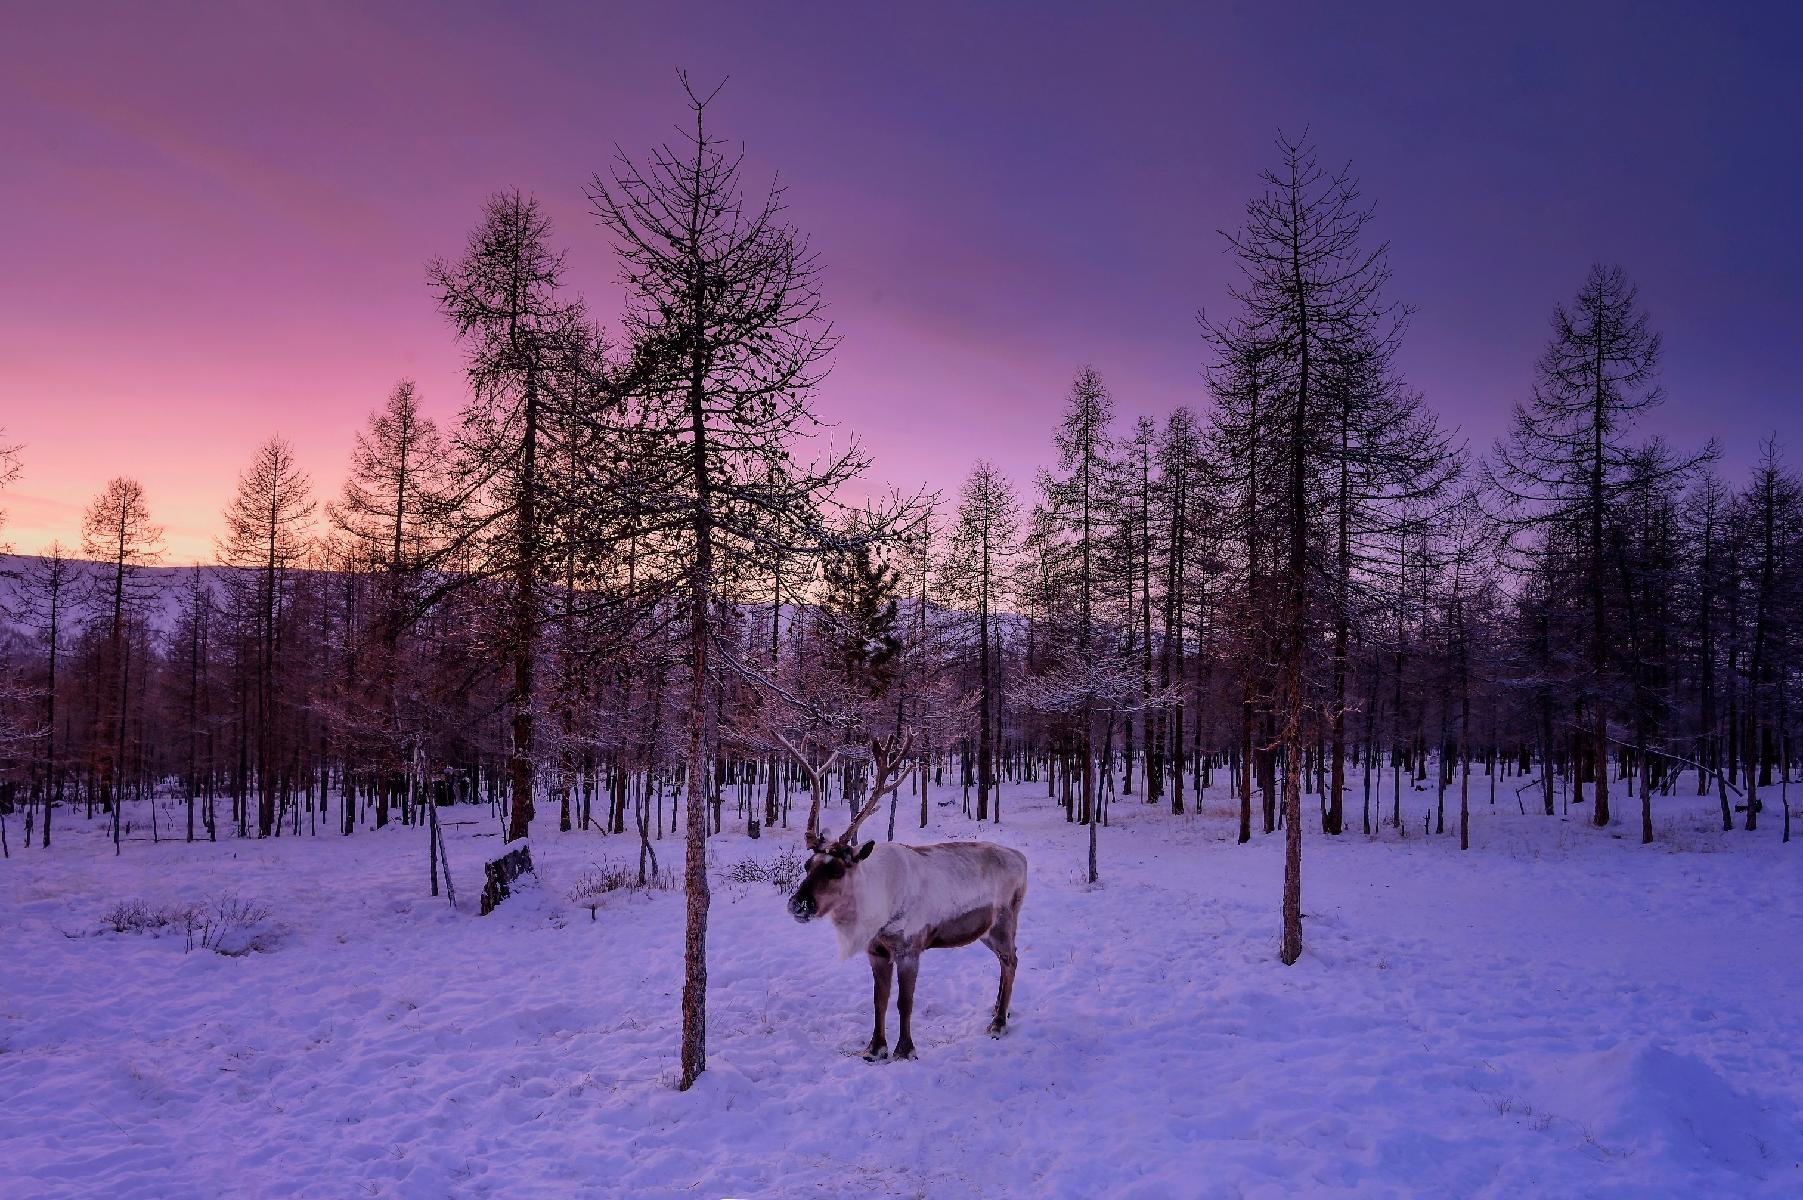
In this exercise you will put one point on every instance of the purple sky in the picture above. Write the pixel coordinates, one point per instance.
(215, 220)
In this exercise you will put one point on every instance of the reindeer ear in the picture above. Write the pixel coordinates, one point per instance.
(864, 851)
(815, 842)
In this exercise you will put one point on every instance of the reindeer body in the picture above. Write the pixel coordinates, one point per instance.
(903, 893)
(895, 902)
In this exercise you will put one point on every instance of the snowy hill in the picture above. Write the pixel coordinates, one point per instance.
(161, 586)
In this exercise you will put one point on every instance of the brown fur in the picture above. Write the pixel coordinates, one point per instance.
(911, 905)
(891, 955)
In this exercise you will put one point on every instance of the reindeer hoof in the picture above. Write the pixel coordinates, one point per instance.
(905, 1052)
(876, 1053)
(997, 1028)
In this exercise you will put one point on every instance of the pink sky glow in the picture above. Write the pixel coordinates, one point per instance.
(216, 220)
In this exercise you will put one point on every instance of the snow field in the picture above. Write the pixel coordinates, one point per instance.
(1558, 1012)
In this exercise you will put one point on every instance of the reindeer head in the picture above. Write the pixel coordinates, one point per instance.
(832, 865)
(828, 881)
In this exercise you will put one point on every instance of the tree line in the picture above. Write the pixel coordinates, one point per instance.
(622, 587)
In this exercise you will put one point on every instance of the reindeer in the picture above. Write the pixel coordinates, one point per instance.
(895, 901)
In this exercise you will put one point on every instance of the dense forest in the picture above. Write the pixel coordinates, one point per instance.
(629, 594)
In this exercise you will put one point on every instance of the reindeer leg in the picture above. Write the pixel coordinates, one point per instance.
(882, 971)
(1000, 939)
(907, 966)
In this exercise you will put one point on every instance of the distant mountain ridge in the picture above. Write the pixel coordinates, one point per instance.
(164, 583)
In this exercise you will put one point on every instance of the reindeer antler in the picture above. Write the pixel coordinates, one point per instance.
(885, 756)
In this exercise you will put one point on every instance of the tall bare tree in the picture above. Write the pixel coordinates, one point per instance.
(981, 548)
(190, 653)
(268, 531)
(529, 351)
(1311, 296)
(1078, 492)
(392, 514)
(1179, 489)
(47, 588)
(1773, 505)
(117, 530)
(1567, 458)
(729, 338)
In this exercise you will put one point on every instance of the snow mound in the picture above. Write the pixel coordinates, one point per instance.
(1644, 1100)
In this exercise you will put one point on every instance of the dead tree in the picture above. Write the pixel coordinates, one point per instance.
(728, 339)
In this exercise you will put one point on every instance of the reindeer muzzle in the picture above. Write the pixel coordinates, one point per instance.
(803, 908)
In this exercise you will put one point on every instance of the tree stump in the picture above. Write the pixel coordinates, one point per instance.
(513, 860)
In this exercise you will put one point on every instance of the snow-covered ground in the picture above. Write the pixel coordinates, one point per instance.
(1558, 1012)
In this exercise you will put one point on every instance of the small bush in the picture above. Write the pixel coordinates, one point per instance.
(747, 870)
(225, 925)
(782, 872)
(231, 926)
(603, 879)
(138, 916)
(788, 869)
